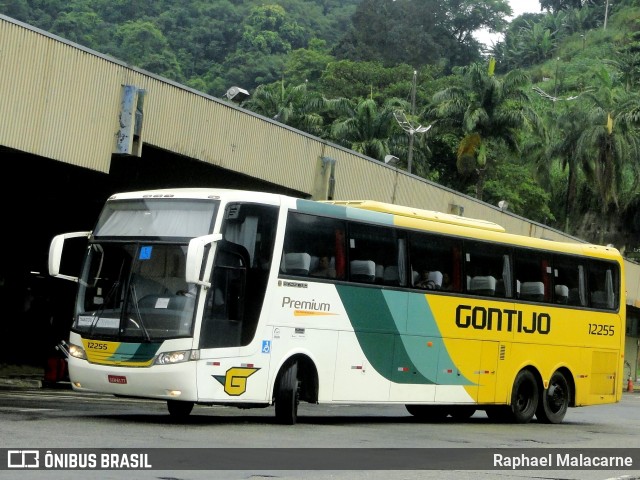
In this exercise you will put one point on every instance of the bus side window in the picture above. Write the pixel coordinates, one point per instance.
(566, 280)
(435, 262)
(533, 271)
(603, 285)
(314, 246)
(487, 268)
(373, 246)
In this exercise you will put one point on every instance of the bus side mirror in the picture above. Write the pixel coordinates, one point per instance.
(195, 255)
(55, 253)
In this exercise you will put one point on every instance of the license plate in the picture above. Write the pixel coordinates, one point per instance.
(117, 379)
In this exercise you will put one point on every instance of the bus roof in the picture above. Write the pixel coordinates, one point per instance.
(419, 214)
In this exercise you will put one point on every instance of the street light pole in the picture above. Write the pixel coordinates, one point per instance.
(411, 132)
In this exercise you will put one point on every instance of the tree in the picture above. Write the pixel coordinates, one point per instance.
(556, 5)
(350, 79)
(569, 127)
(289, 104)
(367, 128)
(514, 183)
(269, 30)
(485, 109)
(608, 147)
(143, 43)
(420, 33)
(251, 69)
(78, 27)
(308, 64)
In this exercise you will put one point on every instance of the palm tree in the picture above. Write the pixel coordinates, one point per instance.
(486, 109)
(608, 147)
(569, 127)
(366, 128)
(292, 105)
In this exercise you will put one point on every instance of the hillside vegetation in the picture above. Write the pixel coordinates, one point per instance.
(546, 120)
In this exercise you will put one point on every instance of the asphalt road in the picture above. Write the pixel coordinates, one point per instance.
(59, 418)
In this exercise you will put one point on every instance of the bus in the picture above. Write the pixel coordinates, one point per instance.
(249, 299)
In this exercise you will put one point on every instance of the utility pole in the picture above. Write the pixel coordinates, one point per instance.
(606, 14)
(406, 125)
(411, 132)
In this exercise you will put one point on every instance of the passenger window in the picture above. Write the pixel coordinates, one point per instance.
(568, 280)
(533, 273)
(375, 251)
(603, 283)
(314, 246)
(487, 270)
(435, 262)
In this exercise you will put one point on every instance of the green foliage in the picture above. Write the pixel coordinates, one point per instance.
(141, 43)
(486, 110)
(394, 31)
(365, 79)
(308, 64)
(339, 69)
(268, 30)
(289, 104)
(367, 128)
(515, 184)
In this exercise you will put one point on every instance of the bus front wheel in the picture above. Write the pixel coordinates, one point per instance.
(462, 412)
(287, 396)
(179, 409)
(428, 413)
(524, 397)
(554, 400)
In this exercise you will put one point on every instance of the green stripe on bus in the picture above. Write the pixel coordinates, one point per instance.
(135, 352)
(379, 320)
(339, 211)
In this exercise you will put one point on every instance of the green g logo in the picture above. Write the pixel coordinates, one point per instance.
(235, 380)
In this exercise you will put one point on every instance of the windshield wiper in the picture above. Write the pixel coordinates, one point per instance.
(98, 314)
(134, 300)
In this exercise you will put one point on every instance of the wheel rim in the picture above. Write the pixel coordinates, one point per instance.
(556, 396)
(524, 397)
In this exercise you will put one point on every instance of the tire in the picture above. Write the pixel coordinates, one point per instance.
(287, 396)
(462, 412)
(428, 413)
(178, 409)
(554, 400)
(524, 397)
(499, 413)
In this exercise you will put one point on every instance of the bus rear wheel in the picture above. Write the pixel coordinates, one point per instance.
(287, 396)
(179, 409)
(554, 400)
(524, 397)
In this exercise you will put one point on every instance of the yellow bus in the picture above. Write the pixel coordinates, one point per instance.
(249, 299)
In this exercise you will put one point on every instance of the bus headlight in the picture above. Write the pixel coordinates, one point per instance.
(77, 351)
(179, 356)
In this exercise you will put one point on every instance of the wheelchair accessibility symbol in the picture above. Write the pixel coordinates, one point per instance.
(266, 346)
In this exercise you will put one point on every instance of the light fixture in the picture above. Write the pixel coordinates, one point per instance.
(391, 160)
(236, 93)
(503, 204)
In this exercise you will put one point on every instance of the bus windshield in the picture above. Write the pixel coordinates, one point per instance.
(135, 291)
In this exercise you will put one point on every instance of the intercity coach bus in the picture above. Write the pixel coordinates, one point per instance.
(248, 299)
